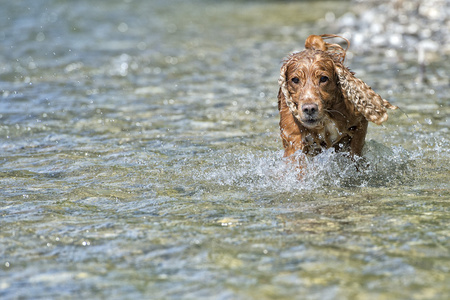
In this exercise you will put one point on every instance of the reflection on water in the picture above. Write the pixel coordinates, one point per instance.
(140, 158)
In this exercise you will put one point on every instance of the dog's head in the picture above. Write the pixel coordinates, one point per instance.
(309, 83)
(313, 79)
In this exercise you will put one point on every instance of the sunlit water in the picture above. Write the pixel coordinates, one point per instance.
(140, 158)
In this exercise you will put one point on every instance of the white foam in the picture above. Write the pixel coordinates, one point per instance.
(268, 170)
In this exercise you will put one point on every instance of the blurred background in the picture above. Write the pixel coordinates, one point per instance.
(140, 154)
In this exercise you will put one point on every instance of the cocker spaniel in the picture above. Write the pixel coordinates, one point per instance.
(322, 104)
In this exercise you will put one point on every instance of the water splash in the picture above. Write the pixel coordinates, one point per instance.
(268, 170)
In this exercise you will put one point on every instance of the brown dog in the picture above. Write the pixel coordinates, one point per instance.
(322, 104)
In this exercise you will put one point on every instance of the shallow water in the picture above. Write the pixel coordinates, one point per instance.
(140, 158)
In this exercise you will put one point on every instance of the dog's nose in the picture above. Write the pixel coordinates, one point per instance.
(309, 109)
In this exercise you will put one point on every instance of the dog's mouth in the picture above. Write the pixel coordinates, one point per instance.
(311, 122)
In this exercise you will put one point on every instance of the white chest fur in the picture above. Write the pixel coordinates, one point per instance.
(331, 132)
(325, 137)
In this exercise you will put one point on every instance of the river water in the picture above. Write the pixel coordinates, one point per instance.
(140, 158)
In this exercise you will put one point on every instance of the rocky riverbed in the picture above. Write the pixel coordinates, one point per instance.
(412, 31)
(419, 27)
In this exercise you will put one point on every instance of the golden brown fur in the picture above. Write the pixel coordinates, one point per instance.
(322, 104)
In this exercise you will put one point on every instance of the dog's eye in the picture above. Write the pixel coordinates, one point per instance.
(295, 80)
(323, 79)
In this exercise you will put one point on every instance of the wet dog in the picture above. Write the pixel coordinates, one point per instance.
(322, 104)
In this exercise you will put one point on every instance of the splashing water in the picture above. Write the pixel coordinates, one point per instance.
(258, 170)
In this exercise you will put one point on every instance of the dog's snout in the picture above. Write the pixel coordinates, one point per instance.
(310, 109)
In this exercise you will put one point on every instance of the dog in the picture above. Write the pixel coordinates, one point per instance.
(322, 104)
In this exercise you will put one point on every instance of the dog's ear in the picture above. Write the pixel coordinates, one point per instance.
(280, 98)
(361, 98)
(282, 81)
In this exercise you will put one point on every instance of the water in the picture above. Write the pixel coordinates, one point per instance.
(140, 158)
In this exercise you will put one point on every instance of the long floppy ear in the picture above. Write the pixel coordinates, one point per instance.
(282, 81)
(361, 98)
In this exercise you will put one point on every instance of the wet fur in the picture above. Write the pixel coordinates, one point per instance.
(327, 107)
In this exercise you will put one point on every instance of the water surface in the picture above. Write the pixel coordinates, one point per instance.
(140, 158)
